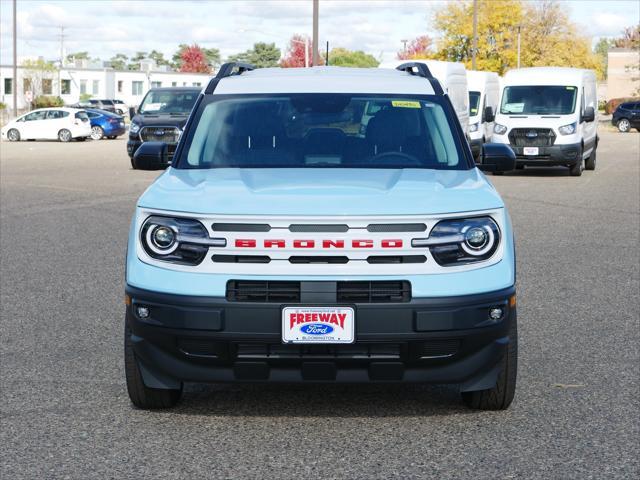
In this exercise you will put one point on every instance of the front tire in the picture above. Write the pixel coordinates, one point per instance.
(501, 395)
(624, 125)
(64, 135)
(590, 164)
(133, 163)
(97, 133)
(576, 170)
(139, 394)
(13, 135)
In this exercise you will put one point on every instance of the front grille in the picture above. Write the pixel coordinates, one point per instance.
(318, 259)
(364, 351)
(291, 292)
(438, 348)
(169, 135)
(531, 137)
(262, 291)
(373, 292)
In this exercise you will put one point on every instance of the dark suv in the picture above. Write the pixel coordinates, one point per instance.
(627, 116)
(161, 118)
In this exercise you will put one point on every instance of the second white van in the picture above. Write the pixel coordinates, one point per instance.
(549, 117)
(484, 93)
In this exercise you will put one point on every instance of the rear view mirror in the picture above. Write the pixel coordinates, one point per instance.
(589, 115)
(488, 115)
(151, 156)
(497, 157)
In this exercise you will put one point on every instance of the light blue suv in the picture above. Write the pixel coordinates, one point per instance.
(321, 225)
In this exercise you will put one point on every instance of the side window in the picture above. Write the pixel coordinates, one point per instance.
(92, 115)
(35, 116)
(56, 114)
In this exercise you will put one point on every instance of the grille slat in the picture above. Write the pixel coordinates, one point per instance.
(374, 292)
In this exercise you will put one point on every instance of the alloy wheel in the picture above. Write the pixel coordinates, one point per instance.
(96, 133)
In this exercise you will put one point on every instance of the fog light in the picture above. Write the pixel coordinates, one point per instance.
(495, 313)
(143, 312)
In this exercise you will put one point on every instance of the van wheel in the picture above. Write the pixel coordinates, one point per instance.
(13, 135)
(133, 163)
(624, 125)
(590, 164)
(576, 170)
(141, 395)
(501, 395)
(64, 135)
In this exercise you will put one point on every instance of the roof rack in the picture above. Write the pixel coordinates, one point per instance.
(422, 70)
(227, 70)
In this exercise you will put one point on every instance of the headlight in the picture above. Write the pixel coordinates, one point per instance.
(568, 129)
(473, 127)
(499, 129)
(134, 128)
(177, 240)
(462, 241)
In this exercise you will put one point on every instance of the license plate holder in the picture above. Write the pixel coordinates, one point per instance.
(531, 151)
(318, 324)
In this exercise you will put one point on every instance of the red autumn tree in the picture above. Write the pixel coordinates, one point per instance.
(194, 60)
(295, 53)
(419, 47)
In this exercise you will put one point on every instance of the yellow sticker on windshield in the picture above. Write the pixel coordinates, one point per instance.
(570, 88)
(405, 104)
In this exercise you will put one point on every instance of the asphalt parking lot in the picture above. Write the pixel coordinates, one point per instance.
(65, 212)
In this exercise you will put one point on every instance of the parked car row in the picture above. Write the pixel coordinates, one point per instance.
(113, 106)
(627, 116)
(64, 124)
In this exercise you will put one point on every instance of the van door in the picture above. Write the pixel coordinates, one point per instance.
(587, 99)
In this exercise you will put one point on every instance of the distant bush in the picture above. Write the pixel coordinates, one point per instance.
(84, 97)
(3, 106)
(614, 102)
(44, 101)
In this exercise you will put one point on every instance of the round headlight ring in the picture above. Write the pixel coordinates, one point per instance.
(472, 237)
(161, 239)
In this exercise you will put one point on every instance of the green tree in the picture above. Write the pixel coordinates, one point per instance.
(77, 56)
(262, 55)
(119, 61)
(213, 56)
(602, 52)
(135, 60)
(342, 57)
(547, 35)
(158, 57)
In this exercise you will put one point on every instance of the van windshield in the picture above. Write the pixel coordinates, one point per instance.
(323, 130)
(169, 102)
(474, 103)
(539, 100)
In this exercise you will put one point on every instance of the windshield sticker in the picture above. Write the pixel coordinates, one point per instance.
(405, 104)
(474, 111)
(570, 88)
(514, 107)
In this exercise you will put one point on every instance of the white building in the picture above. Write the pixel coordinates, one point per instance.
(71, 82)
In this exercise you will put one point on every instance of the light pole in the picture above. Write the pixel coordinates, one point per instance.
(475, 34)
(14, 87)
(316, 55)
(519, 28)
(404, 45)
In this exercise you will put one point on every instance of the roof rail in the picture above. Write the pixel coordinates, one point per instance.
(422, 70)
(226, 70)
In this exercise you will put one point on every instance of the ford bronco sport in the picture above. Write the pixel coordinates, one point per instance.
(286, 243)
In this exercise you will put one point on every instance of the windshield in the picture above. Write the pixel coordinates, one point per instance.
(323, 130)
(539, 100)
(169, 102)
(474, 103)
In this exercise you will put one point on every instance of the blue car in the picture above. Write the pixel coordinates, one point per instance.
(287, 244)
(105, 124)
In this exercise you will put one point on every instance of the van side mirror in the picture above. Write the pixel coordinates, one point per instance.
(497, 157)
(589, 115)
(489, 116)
(151, 156)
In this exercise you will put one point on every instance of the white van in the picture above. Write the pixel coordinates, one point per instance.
(549, 117)
(484, 96)
(453, 79)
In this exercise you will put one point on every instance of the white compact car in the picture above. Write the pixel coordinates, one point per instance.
(60, 123)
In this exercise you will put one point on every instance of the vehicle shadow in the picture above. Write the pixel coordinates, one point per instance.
(329, 400)
(540, 172)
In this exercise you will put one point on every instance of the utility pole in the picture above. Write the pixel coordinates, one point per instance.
(14, 87)
(404, 45)
(62, 35)
(326, 62)
(519, 27)
(306, 51)
(316, 57)
(475, 34)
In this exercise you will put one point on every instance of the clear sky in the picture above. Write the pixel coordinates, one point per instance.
(106, 27)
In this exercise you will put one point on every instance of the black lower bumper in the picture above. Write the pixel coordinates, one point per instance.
(438, 340)
(134, 144)
(549, 156)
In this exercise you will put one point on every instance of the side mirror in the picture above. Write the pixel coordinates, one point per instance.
(151, 156)
(497, 157)
(589, 115)
(488, 115)
(132, 112)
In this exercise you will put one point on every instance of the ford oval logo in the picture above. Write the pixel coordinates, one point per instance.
(158, 133)
(316, 329)
(532, 134)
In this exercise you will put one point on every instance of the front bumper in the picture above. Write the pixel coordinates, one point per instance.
(134, 143)
(210, 339)
(568, 154)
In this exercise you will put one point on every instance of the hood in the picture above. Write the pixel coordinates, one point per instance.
(164, 120)
(330, 192)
